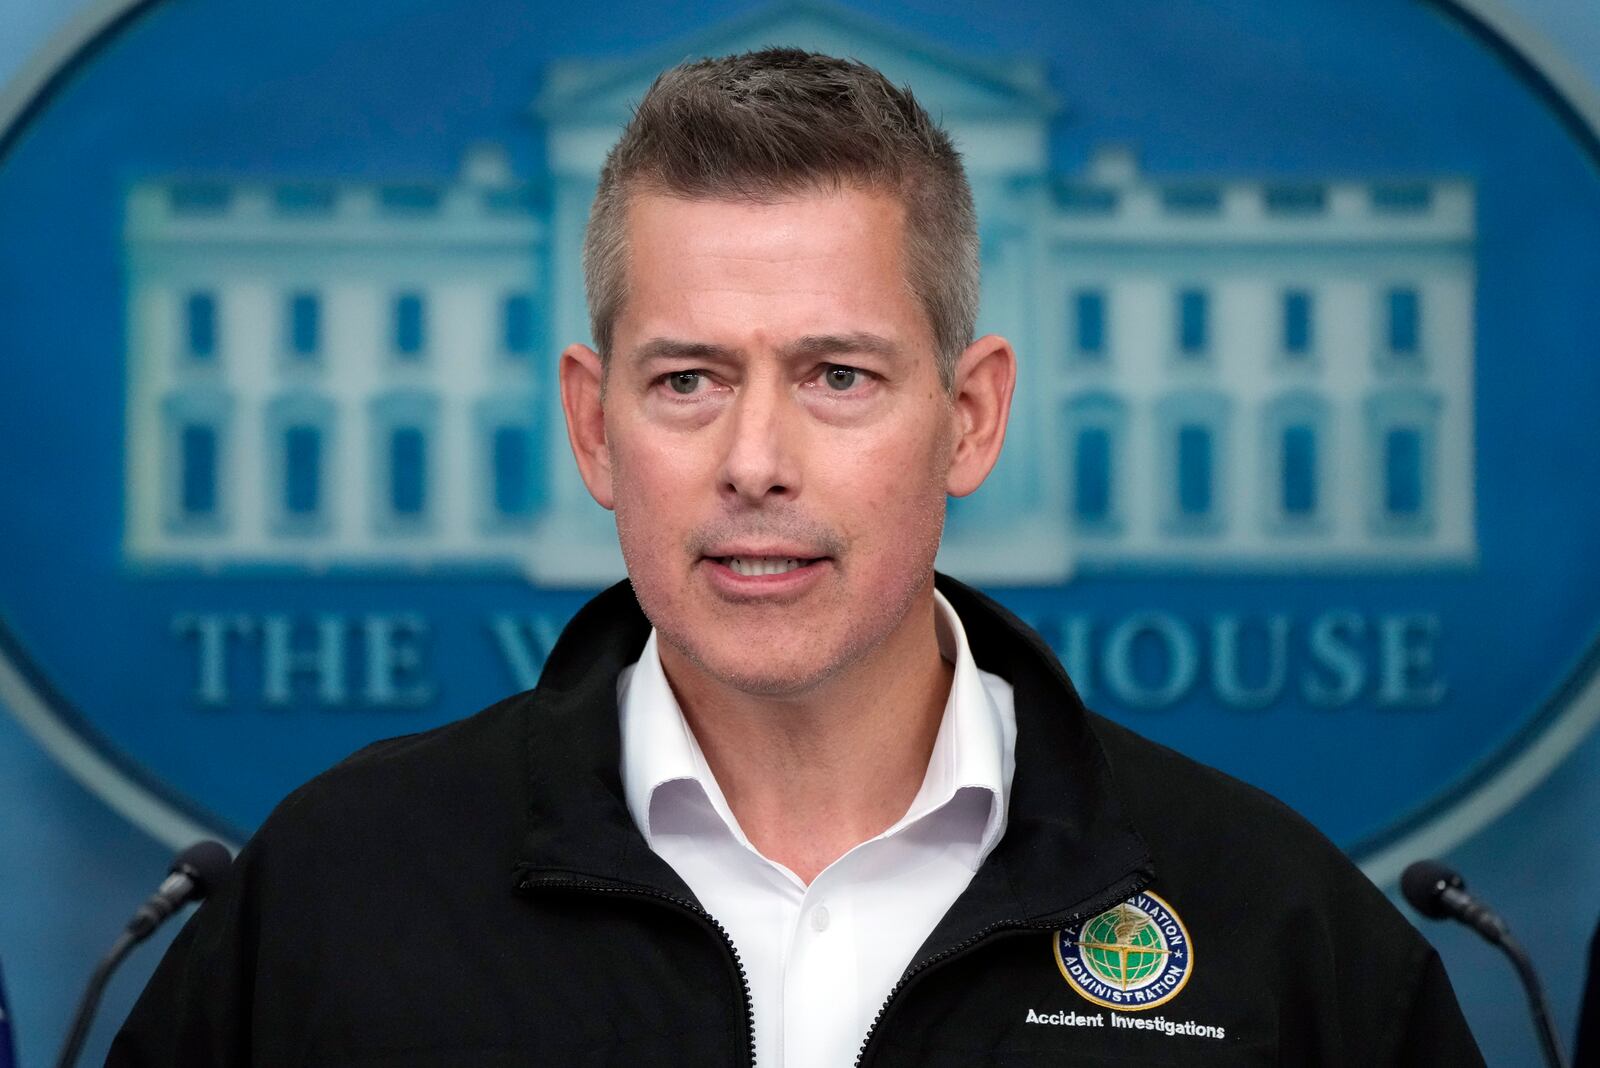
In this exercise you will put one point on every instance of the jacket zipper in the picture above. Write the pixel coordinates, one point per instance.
(684, 905)
(1105, 901)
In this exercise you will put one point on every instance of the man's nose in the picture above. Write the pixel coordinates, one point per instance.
(760, 461)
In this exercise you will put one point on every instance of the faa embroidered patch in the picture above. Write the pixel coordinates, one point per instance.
(1133, 957)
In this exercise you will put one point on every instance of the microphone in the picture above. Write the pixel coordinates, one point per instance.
(193, 874)
(191, 877)
(1440, 893)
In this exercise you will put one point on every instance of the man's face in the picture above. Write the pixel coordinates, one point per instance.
(776, 442)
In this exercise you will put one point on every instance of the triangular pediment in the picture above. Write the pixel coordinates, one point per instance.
(950, 85)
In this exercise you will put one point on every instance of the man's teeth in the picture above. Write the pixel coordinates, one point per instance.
(762, 566)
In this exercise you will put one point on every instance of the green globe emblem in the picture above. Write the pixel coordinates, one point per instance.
(1124, 947)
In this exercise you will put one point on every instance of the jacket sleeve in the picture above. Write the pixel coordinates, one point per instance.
(1434, 1032)
(198, 1006)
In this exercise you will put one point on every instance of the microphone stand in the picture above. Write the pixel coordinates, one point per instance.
(1440, 893)
(1549, 1042)
(192, 875)
(91, 997)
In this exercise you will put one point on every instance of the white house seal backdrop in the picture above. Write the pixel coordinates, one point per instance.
(1297, 479)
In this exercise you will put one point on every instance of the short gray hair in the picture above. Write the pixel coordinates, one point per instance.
(760, 125)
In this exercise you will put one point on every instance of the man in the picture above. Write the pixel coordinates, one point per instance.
(787, 798)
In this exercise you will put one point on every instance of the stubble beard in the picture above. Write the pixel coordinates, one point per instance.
(734, 662)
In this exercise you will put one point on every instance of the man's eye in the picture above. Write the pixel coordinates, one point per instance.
(684, 382)
(841, 378)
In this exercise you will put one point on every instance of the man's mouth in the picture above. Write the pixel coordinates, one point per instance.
(751, 566)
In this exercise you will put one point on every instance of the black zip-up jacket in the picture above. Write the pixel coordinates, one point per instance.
(479, 895)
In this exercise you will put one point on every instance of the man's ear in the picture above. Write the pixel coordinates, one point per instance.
(582, 374)
(985, 376)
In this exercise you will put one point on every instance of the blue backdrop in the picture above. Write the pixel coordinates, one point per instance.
(1410, 696)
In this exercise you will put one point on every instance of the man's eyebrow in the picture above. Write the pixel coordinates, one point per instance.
(811, 346)
(816, 346)
(667, 348)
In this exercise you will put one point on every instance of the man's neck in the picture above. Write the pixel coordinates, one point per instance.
(810, 776)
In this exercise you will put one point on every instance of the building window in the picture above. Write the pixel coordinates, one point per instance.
(1194, 470)
(1299, 474)
(195, 422)
(513, 469)
(1295, 468)
(198, 460)
(511, 479)
(1192, 429)
(410, 324)
(1091, 475)
(1297, 322)
(1404, 321)
(305, 324)
(1194, 327)
(1402, 472)
(1402, 426)
(408, 471)
(405, 449)
(1089, 322)
(516, 324)
(200, 325)
(1094, 427)
(300, 427)
(302, 471)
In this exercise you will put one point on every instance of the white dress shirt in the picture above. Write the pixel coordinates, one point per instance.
(822, 959)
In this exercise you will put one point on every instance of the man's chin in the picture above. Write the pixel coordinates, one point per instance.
(776, 683)
(775, 674)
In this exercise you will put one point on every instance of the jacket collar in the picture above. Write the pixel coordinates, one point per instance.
(663, 763)
(1067, 841)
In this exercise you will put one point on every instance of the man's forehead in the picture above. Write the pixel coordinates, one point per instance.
(811, 274)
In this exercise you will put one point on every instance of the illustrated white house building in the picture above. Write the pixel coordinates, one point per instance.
(1216, 372)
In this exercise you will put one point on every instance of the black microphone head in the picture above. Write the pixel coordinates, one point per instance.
(205, 863)
(1424, 881)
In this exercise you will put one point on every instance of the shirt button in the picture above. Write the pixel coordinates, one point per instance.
(819, 918)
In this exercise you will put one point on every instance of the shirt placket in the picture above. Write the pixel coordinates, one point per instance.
(822, 978)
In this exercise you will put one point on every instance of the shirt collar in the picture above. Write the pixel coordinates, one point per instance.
(658, 747)
(969, 752)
